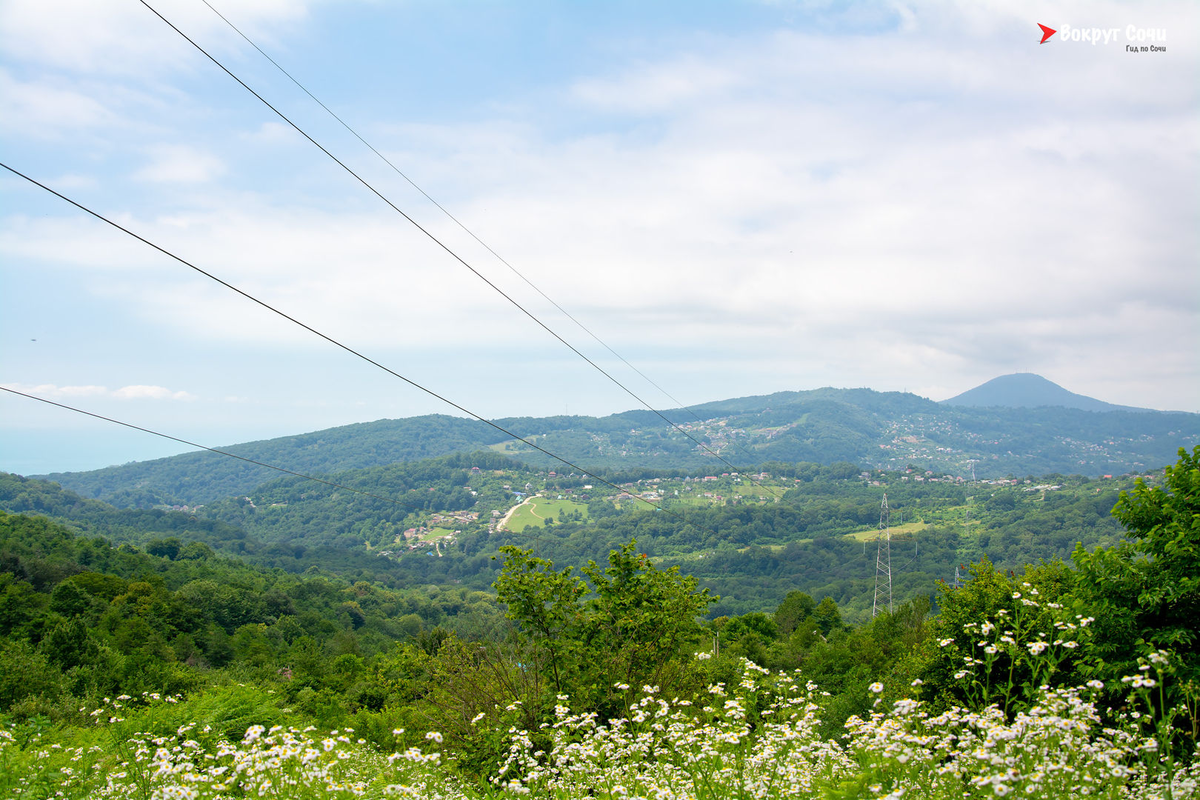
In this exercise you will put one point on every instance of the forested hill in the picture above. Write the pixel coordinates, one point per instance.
(201, 477)
(799, 526)
(884, 430)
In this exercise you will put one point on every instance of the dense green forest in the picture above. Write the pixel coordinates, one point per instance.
(750, 539)
(487, 678)
(877, 430)
(195, 478)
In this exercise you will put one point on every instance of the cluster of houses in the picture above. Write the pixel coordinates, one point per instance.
(443, 519)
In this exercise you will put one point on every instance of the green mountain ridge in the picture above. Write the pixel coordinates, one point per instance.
(885, 430)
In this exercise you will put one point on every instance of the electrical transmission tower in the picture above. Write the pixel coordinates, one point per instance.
(883, 562)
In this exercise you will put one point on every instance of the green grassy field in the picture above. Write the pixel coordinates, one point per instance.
(436, 533)
(897, 530)
(765, 492)
(535, 511)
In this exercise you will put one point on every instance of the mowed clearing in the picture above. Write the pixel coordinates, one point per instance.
(897, 530)
(536, 510)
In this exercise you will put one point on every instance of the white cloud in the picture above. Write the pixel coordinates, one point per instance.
(71, 243)
(150, 393)
(48, 105)
(180, 164)
(136, 392)
(51, 390)
(658, 87)
(859, 209)
(274, 134)
(112, 37)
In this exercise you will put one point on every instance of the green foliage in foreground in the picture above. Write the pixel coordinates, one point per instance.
(1053, 682)
(758, 737)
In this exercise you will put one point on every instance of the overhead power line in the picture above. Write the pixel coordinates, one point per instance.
(447, 212)
(209, 449)
(430, 235)
(305, 476)
(330, 339)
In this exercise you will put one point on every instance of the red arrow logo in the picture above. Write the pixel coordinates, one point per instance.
(1046, 33)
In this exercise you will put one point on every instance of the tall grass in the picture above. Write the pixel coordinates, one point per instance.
(756, 739)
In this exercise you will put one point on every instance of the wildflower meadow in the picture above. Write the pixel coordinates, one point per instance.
(759, 738)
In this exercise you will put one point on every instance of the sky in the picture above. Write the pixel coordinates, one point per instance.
(736, 197)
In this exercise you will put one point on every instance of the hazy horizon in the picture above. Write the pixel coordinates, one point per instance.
(86, 462)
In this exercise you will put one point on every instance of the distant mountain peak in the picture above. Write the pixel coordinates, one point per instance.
(1027, 390)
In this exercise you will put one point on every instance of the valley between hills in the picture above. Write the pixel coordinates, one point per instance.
(435, 592)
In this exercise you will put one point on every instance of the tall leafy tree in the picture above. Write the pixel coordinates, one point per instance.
(641, 621)
(545, 605)
(635, 628)
(1146, 592)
